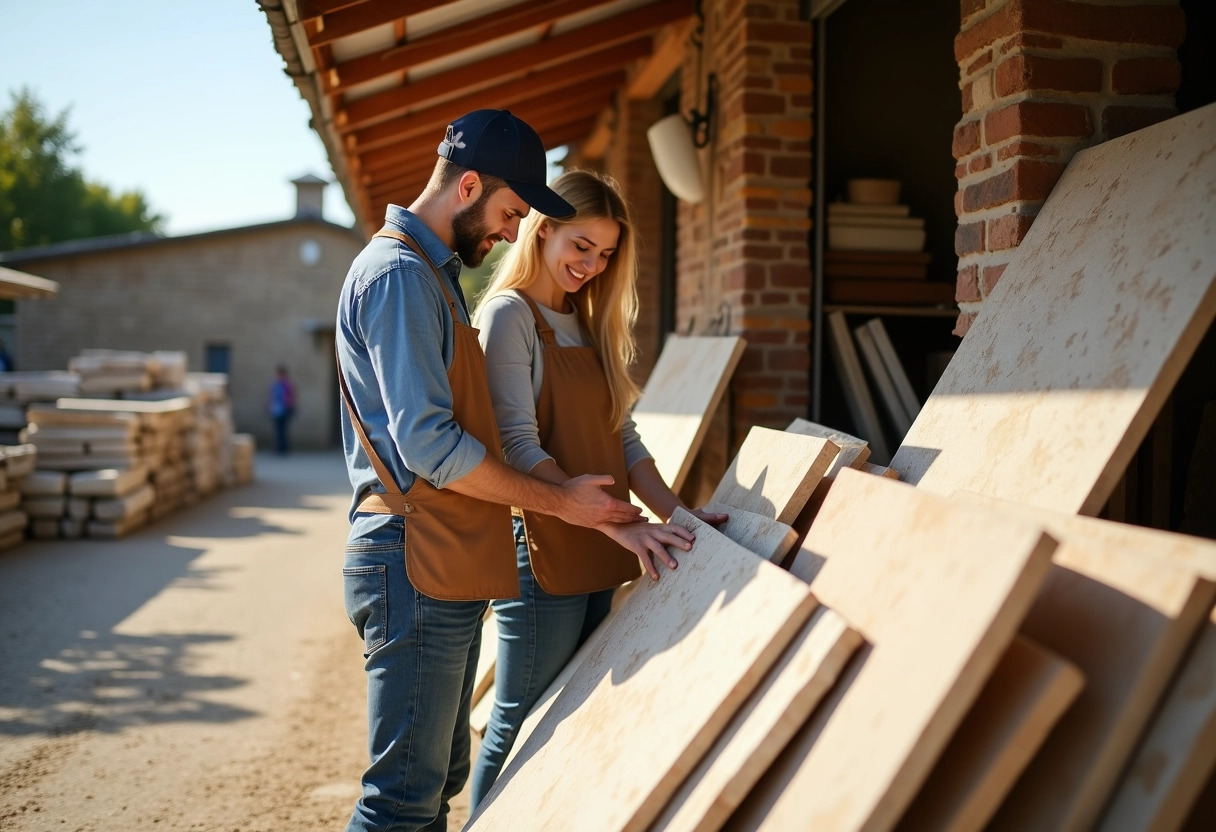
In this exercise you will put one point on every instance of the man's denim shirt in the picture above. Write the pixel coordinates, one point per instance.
(394, 338)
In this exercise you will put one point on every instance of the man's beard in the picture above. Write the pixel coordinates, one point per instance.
(469, 231)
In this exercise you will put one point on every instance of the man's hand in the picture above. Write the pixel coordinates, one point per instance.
(586, 503)
(649, 541)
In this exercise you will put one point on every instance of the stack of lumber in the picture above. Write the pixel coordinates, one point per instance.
(115, 372)
(16, 467)
(21, 388)
(962, 650)
(210, 441)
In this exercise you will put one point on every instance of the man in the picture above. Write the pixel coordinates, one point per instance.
(282, 406)
(430, 540)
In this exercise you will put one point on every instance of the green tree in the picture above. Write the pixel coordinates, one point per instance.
(44, 197)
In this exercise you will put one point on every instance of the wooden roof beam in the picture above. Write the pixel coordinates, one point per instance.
(539, 106)
(667, 58)
(549, 82)
(359, 17)
(308, 9)
(620, 30)
(448, 41)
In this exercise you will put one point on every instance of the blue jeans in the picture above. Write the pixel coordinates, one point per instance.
(421, 664)
(537, 635)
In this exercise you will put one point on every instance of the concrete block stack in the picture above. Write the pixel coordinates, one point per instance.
(118, 372)
(16, 468)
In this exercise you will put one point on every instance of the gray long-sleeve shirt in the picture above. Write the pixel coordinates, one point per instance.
(515, 365)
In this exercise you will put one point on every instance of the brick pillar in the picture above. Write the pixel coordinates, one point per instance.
(630, 161)
(743, 260)
(1040, 80)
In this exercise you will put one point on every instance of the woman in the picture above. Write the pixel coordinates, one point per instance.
(556, 325)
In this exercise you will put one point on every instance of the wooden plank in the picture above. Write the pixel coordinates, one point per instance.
(853, 381)
(895, 367)
(479, 715)
(714, 626)
(111, 482)
(768, 538)
(1097, 314)
(1177, 754)
(684, 388)
(667, 58)
(1027, 694)
(853, 451)
(882, 379)
(879, 471)
(774, 473)
(902, 566)
(763, 726)
(1122, 603)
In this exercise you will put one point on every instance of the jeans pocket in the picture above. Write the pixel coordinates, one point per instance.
(366, 592)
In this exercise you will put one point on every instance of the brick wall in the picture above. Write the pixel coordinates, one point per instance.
(1040, 80)
(743, 264)
(629, 160)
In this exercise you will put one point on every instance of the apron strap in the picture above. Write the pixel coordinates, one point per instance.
(547, 337)
(382, 472)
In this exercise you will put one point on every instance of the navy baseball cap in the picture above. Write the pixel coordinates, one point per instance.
(498, 143)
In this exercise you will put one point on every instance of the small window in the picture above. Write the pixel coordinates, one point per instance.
(219, 358)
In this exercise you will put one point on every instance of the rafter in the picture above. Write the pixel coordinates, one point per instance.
(308, 9)
(449, 41)
(574, 97)
(359, 17)
(469, 78)
(667, 57)
(603, 71)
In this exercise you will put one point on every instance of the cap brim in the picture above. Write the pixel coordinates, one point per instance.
(543, 199)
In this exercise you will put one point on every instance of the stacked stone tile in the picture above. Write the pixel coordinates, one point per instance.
(19, 389)
(110, 465)
(16, 468)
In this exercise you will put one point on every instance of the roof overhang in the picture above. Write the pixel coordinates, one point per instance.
(384, 77)
(15, 285)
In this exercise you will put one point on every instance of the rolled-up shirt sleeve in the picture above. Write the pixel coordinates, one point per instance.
(401, 316)
(635, 451)
(508, 335)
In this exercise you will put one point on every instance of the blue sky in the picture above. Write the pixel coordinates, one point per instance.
(185, 100)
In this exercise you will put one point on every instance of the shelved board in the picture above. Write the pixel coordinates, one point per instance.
(1026, 695)
(1073, 354)
(762, 727)
(774, 473)
(882, 379)
(895, 367)
(902, 567)
(1121, 603)
(853, 381)
(605, 756)
(682, 392)
(1177, 753)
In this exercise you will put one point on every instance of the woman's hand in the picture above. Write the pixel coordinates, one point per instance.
(713, 518)
(649, 540)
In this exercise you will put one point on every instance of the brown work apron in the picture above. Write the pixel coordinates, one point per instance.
(457, 548)
(573, 417)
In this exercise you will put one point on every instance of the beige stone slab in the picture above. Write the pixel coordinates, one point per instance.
(682, 392)
(904, 568)
(1026, 695)
(768, 538)
(620, 737)
(774, 473)
(1094, 319)
(111, 482)
(1177, 753)
(119, 508)
(853, 451)
(1121, 602)
(44, 484)
(763, 726)
(173, 405)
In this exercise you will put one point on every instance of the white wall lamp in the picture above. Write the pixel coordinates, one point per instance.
(675, 140)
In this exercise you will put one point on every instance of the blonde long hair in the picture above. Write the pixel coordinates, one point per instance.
(608, 305)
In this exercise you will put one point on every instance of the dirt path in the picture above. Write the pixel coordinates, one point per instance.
(198, 675)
